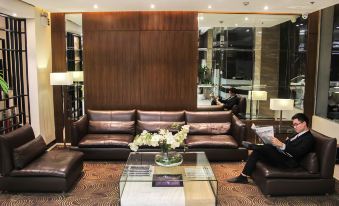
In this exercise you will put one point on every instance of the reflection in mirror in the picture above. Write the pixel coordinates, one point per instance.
(251, 52)
(74, 61)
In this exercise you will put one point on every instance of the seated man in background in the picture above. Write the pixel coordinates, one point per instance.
(231, 100)
(280, 154)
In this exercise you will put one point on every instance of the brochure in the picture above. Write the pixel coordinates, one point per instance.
(167, 180)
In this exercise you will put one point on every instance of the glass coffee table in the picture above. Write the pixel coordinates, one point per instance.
(145, 183)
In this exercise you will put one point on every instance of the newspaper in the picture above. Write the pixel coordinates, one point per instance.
(264, 133)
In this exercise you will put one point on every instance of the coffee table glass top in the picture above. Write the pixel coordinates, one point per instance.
(140, 166)
(191, 183)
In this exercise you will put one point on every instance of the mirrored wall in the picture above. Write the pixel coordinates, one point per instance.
(262, 56)
(74, 59)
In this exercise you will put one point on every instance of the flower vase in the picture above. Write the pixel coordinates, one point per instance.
(168, 158)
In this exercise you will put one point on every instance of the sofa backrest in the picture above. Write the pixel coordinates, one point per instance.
(216, 122)
(152, 121)
(325, 148)
(10, 141)
(111, 121)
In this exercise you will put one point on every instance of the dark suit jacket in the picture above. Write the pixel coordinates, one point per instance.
(299, 147)
(229, 102)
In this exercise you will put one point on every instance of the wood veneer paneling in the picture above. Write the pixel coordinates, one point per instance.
(112, 76)
(128, 68)
(166, 21)
(58, 65)
(117, 21)
(168, 65)
(311, 67)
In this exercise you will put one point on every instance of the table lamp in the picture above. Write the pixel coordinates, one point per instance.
(61, 79)
(257, 96)
(281, 104)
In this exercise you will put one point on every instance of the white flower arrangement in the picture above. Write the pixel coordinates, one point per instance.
(164, 138)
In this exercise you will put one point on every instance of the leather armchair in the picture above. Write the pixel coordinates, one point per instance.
(313, 177)
(52, 171)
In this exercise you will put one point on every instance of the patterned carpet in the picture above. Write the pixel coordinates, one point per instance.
(99, 185)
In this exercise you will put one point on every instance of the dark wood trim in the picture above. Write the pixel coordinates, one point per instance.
(311, 65)
(58, 65)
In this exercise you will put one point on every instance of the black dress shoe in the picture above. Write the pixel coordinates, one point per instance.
(240, 179)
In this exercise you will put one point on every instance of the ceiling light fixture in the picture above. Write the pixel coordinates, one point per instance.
(246, 3)
(95, 6)
(266, 8)
(152, 6)
(209, 6)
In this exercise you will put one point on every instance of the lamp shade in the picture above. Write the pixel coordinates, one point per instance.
(61, 78)
(281, 104)
(78, 76)
(257, 95)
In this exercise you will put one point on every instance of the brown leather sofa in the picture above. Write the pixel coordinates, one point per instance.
(313, 177)
(26, 166)
(106, 134)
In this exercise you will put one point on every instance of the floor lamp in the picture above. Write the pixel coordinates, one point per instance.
(281, 104)
(62, 79)
(257, 96)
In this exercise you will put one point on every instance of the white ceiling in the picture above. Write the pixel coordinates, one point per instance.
(275, 6)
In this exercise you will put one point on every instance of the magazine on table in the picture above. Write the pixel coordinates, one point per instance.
(264, 133)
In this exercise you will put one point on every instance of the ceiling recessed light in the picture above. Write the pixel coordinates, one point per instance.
(246, 18)
(95, 6)
(266, 8)
(152, 6)
(209, 6)
(14, 14)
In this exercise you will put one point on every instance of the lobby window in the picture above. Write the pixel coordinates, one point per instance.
(14, 106)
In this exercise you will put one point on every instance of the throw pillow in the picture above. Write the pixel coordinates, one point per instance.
(209, 128)
(24, 154)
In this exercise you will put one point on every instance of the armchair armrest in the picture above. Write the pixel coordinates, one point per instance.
(238, 129)
(79, 130)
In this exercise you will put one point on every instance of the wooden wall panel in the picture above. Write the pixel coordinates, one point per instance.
(111, 62)
(58, 65)
(117, 21)
(169, 70)
(311, 67)
(127, 66)
(162, 21)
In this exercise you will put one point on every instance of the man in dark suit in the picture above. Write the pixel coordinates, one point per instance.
(280, 154)
(232, 100)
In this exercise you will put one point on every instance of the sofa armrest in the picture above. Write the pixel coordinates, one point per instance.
(238, 129)
(79, 130)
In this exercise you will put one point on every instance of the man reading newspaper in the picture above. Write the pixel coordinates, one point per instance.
(277, 153)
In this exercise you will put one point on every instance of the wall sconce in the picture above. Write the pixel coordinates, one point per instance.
(62, 79)
(281, 104)
(44, 20)
(257, 96)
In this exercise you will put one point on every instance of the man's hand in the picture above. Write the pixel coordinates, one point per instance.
(276, 142)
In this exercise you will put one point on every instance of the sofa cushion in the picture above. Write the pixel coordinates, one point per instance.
(109, 127)
(57, 163)
(106, 140)
(211, 141)
(209, 128)
(269, 171)
(165, 116)
(27, 152)
(310, 163)
(111, 115)
(155, 126)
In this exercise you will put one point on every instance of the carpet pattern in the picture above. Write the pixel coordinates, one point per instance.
(99, 186)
